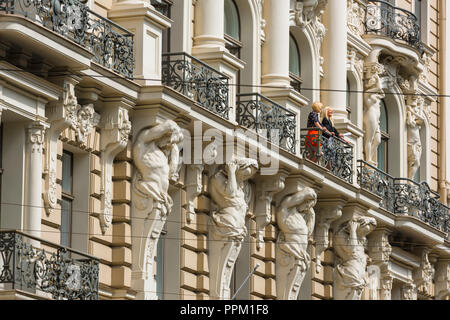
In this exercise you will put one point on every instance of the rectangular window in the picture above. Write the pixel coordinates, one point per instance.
(159, 261)
(66, 199)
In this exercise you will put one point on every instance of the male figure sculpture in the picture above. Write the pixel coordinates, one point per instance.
(227, 222)
(350, 272)
(295, 218)
(156, 157)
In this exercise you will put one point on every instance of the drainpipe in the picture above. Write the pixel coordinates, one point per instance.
(443, 101)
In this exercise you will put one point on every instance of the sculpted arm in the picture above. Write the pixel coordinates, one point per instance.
(157, 131)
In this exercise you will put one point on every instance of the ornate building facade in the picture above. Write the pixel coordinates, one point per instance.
(159, 149)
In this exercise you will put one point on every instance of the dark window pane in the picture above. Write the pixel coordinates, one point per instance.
(159, 277)
(383, 117)
(381, 156)
(294, 57)
(231, 19)
(66, 184)
(66, 221)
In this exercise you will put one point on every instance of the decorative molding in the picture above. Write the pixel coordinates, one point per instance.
(424, 275)
(266, 188)
(348, 242)
(194, 186)
(409, 291)
(87, 119)
(328, 210)
(61, 115)
(35, 137)
(355, 62)
(227, 221)
(295, 218)
(380, 254)
(155, 154)
(308, 11)
(355, 17)
(442, 279)
(116, 128)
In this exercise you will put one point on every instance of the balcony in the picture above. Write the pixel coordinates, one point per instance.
(268, 119)
(196, 80)
(382, 18)
(110, 44)
(405, 197)
(55, 272)
(331, 152)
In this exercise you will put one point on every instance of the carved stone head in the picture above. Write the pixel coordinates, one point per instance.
(246, 168)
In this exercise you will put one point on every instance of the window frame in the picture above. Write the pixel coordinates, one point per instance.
(69, 197)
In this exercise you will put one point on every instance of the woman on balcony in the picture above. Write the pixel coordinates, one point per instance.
(328, 123)
(312, 138)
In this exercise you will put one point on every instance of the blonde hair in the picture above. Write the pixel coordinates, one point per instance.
(317, 106)
(324, 114)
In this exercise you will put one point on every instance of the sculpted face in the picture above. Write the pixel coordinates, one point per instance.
(245, 173)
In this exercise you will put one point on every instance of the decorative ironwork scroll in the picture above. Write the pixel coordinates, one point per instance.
(266, 117)
(396, 23)
(329, 152)
(111, 45)
(196, 80)
(61, 272)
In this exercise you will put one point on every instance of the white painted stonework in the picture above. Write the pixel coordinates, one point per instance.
(295, 218)
(372, 98)
(227, 228)
(350, 271)
(156, 155)
(114, 138)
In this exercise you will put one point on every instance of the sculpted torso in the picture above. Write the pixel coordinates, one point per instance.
(155, 169)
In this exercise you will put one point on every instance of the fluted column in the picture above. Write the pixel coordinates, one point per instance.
(335, 58)
(275, 51)
(209, 25)
(33, 185)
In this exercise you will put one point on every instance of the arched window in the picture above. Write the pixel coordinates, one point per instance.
(232, 27)
(382, 157)
(294, 64)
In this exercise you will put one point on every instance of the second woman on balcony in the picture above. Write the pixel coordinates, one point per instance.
(328, 123)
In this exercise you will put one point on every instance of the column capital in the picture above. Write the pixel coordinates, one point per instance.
(35, 136)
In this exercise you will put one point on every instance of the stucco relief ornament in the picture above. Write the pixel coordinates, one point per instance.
(372, 99)
(355, 17)
(425, 274)
(114, 138)
(295, 218)
(156, 155)
(350, 272)
(87, 119)
(60, 117)
(227, 221)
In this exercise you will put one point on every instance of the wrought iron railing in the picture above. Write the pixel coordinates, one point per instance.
(61, 273)
(396, 23)
(372, 179)
(111, 45)
(268, 119)
(405, 196)
(328, 151)
(196, 80)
